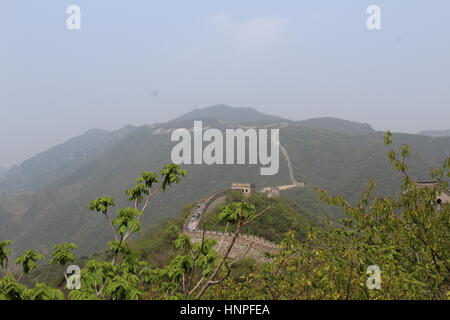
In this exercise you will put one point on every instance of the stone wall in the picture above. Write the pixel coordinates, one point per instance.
(248, 245)
(256, 246)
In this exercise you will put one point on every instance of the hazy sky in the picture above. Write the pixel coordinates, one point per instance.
(149, 61)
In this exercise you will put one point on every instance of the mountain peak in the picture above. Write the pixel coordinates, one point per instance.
(226, 114)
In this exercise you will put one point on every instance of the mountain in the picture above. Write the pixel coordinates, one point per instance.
(227, 115)
(344, 126)
(47, 195)
(49, 166)
(60, 161)
(436, 133)
(38, 216)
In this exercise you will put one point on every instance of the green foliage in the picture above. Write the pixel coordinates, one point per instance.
(4, 253)
(123, 287)
(101, 204)
(182, 275)
(138, 193)
(127, 219)
(155, 246)
(148, 179)
(62, 254)
(407, 237)
(10, 289)
(115, 246)
(121, 279)
(342, 163)
(236, 210)
(283, 217)
(171, 174)
(44, 292)
(29, 260)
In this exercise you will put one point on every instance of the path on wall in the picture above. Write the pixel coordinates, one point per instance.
(275, 191)
(245, 245)
(289, 164)
(281, 125)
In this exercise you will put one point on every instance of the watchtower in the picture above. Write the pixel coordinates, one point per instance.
(443, 198)
(246, 188)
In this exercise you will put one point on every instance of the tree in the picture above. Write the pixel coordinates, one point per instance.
(62, 254)
(184, 274)
(29, 261)
(241, 213)
(118, 279)
(407, 237)
(10, 289)
(43, 292)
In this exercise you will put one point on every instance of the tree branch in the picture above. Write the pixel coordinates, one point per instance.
(112, 226)
(216, 271)
(223, 236)
(259, 214)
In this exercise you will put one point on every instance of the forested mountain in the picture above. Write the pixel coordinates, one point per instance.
(436, 133)
(344, 126)
(46, 197)
(60, 161)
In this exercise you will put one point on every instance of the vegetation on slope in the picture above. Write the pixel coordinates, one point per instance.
(281, 218)
(405, 237)
(327, 158)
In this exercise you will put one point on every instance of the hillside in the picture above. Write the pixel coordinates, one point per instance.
(47, 167)
(435, 133)
(155, 245)
(48, 194)
(57, 212)
(343, 163)
(282, 217)
(343, 126)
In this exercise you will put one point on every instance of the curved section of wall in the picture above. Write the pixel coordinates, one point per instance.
(248, 245)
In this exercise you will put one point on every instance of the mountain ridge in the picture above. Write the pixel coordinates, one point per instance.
(336, 124)
(54, 209)
(217, 116)
(435, 133)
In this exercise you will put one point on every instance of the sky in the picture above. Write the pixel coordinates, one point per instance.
(141, 62)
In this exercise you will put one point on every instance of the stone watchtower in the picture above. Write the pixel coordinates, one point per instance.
(246, 188)
(443, 198)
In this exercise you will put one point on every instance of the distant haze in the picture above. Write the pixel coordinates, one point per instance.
(136, 62)
(436, 133)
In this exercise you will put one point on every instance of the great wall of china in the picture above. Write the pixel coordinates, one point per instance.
(245, 245)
